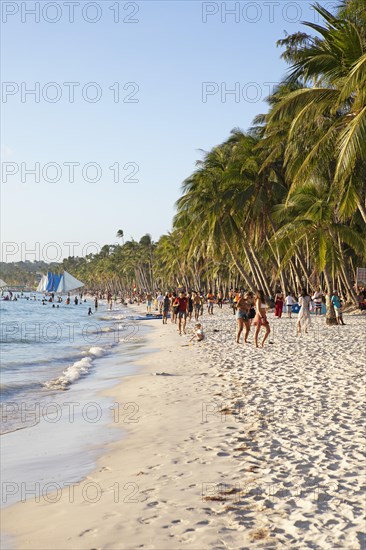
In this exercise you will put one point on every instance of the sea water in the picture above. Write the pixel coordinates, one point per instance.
(54, 362)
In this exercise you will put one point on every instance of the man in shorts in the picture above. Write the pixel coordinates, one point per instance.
(196, 305)
(148, 302)
(182, 312)
(318, 301)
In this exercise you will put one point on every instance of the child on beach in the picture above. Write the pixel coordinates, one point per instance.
(198, 335)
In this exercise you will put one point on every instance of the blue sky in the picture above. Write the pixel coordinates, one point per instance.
(167, 55)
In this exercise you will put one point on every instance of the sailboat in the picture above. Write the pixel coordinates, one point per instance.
(3, 284)
(58, 283)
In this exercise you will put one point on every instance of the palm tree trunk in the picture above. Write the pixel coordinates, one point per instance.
(362, 210)
(330, 313)
(302, 265)
(239, 266)
(262, 275)
(253, 268)
(350, 291)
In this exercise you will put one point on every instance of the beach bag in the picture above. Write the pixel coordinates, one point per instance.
(251, 313)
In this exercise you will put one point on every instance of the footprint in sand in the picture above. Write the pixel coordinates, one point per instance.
(146, 521)
(87, 531)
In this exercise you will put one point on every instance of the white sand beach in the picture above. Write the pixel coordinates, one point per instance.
(226, 447)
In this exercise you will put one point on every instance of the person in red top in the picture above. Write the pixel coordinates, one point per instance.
(182, 312)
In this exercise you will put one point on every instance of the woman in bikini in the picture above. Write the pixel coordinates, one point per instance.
(260, 319)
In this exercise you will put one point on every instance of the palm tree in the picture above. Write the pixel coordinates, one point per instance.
(328, 111)
(120, 235)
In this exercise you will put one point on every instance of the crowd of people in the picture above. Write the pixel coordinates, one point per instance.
(249, 308)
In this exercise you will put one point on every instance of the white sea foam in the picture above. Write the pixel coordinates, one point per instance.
(78, 369)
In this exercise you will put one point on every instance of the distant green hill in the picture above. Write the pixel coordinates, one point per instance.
(26, 273)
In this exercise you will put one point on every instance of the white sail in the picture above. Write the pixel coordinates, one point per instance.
(3, 284)
(68, 283)
(42, 284)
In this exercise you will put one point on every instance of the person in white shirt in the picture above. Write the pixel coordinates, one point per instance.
(289, 302)
(198, 334)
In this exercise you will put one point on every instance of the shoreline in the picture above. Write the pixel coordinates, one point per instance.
(67, 432)
(208, 459)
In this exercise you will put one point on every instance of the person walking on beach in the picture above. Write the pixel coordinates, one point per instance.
(210, 302)
(278, 305)
(96, 302)
(190, 306)
(166, 307)
(220, 298)
(202, 300)
(235, 301)
(289, 303)
(196, 305)
(182, 312)
(148, 302)
(318, 301)
(90, 311)
(303, 320)
(242, 318)
(249, 296)
(160, 300)
(260, 319)
(336, 301)
(175, 305)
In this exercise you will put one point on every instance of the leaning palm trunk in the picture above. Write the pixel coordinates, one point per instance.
(260, 270)
(351, 295)
(362, 210)
(303, 267)
(238, 264)
(253, 268)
